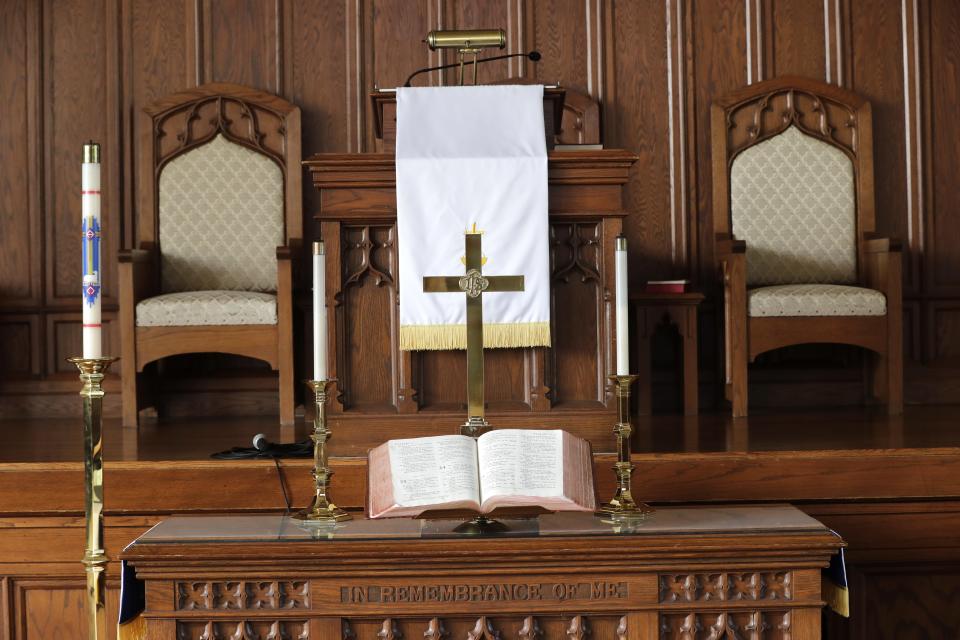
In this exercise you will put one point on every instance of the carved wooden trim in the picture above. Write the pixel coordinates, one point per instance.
(243, 630)
(713, 625)
(579, 628)
(190, 136)
(483, 630)
(367, 247)
(622, 628)
(389, 630)
(817, 120)
(530, 629)
(435, 630)
(580, 123)
(240, 595)
(783, 625)
(705, 587)
(762, 110)
(262, 122)
(577, 244)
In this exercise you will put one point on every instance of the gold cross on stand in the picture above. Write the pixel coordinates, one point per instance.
(474, 284)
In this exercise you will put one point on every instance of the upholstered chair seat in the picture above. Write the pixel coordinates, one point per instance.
(199, 308)
(815, 300)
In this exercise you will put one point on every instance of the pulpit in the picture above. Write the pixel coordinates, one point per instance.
(424, 393)
(684, 572)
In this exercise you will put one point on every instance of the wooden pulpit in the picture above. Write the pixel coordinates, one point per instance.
(424, 393)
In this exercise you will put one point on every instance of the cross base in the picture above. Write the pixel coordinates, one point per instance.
(481, 525)
(474, 426)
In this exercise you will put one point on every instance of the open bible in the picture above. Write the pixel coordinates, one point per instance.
(549, 469)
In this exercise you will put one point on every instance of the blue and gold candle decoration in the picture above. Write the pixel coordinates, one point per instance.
(90, 211)
(91, 260)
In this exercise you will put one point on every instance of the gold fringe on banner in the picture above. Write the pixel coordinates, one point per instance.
(436, 337)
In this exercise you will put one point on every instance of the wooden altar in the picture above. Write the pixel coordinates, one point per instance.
(749, 571)
(424, 393)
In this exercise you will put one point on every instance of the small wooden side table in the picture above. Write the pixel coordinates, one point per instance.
(681, 310)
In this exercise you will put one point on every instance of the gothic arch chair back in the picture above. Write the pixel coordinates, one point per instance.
(219, 216)
(793, 208)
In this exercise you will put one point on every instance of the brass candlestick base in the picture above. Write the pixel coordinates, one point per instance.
(95, 559)
(622, 505)
(321, 511)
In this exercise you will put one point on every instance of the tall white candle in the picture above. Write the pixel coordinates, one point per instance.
(319, 313)
(622, 298)
(90, 223)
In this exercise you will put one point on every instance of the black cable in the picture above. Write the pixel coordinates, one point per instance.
(533, 55)
(283, 483)
(302, 449)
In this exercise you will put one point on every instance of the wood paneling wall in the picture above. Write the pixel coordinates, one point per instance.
(72, 70)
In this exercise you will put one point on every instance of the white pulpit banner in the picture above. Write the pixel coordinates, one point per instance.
(472, 158)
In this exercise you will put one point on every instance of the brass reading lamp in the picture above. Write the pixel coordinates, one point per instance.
(467, 43)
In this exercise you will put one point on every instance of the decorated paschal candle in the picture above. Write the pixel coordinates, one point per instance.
(90, 212)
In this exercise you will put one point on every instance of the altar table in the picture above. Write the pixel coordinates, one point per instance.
(683, 572)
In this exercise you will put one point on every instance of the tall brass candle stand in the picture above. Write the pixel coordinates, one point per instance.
(322, 511)
(622, 505)
(92, 371)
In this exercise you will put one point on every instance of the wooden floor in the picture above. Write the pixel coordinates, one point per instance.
(921, 427)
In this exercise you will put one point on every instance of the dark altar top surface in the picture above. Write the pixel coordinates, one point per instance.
(725, 520)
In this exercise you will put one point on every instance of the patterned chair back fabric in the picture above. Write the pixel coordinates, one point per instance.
(221, 219)
(792, 200)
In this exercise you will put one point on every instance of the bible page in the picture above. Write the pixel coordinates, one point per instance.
(434, 470)
(521, 462)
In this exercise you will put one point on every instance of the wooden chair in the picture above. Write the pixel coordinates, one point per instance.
(218, 222)
(793, 182)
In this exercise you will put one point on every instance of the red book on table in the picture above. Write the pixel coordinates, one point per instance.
(667, 286)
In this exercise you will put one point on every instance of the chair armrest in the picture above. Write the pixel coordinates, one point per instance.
(883, 267)
(137, 273)
(289, 257)
(138, 256)
(727, 244)
(875, 243)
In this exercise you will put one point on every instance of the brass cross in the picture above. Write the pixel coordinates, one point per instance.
(474, 284)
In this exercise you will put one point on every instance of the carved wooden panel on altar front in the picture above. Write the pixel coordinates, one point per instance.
(365, 315)
(382, 392)
(577, 311)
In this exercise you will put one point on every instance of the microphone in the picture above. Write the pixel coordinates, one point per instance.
(264, 448)
(260, 442)
(533, 56)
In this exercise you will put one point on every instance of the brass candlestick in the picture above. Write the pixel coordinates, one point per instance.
(95, 559)
(322, 511)
(622, 505)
